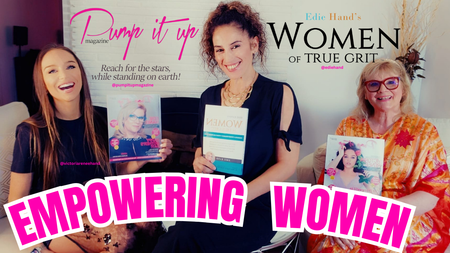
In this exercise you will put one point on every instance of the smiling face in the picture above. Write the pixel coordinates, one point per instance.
(134, 123)
(385, 100)
(349, 159)
(233, 51)
(62, 76)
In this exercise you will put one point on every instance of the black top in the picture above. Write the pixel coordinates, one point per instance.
(263, 127)
(74, 150)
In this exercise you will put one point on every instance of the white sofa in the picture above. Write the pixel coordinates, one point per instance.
(11, 114)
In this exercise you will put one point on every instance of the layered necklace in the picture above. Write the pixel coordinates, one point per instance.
(236, 100)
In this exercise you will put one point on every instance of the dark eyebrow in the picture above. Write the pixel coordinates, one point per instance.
(237, 41)
(54, 64)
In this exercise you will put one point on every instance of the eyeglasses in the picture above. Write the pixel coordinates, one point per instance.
(136, 118)
(391, 83)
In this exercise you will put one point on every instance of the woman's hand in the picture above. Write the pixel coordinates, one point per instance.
(342, 242)
(134, 166)
(164, 151)
(334, 163)
(341, 151)
(201, 164)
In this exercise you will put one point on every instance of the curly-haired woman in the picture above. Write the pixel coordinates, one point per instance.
(233, 37)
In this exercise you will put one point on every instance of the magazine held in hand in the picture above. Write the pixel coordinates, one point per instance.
(224, 136)
(134, 127)
(354, 163)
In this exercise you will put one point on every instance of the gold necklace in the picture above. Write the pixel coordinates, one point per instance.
(237, 100)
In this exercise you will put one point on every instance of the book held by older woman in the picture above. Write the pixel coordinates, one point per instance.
(354, 163)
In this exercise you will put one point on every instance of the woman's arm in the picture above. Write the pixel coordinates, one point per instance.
(334, 163)
(19, 185)
(279, 172)
(286, 161)
(134, 166)
(423, 201)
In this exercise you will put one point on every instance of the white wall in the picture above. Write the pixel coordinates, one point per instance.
(435, 90)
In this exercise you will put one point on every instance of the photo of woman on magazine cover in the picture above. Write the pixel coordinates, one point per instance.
(134, 136)
(348, 170)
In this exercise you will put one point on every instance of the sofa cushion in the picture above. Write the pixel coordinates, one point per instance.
(319, 160)
(12, 114)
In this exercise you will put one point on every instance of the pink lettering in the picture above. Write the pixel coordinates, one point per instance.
(100, 212)
(152, 120)
(20, 224)
(192, 192)
(340, 207)
(191, 32)
(290, 207)
(394, 226)
(89, 19)
(229, 201)
(135, 32)
(373, 219)
(72, 207)
(209, 198)
(123, 198)
(150, 142)
(39, 211)
(152, 196)
(175, 189)
(158, 34)
(323, 205)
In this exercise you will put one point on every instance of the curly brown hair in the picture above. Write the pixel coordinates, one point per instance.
(240, 15)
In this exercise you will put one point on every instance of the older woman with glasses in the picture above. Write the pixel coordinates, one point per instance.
(415, 169)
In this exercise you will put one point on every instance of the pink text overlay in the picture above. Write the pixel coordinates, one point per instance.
(135, 32)
(142, 85)
(78, 163)
(332, 67)
(344, 213)
(126, 199)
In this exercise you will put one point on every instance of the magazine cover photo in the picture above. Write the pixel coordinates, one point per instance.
(134, 127)
(354, 163)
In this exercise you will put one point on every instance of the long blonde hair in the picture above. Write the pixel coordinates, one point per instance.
(47, 157)
(364, 110)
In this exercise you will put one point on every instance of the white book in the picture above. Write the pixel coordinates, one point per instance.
(224, 137)
(354, 163)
